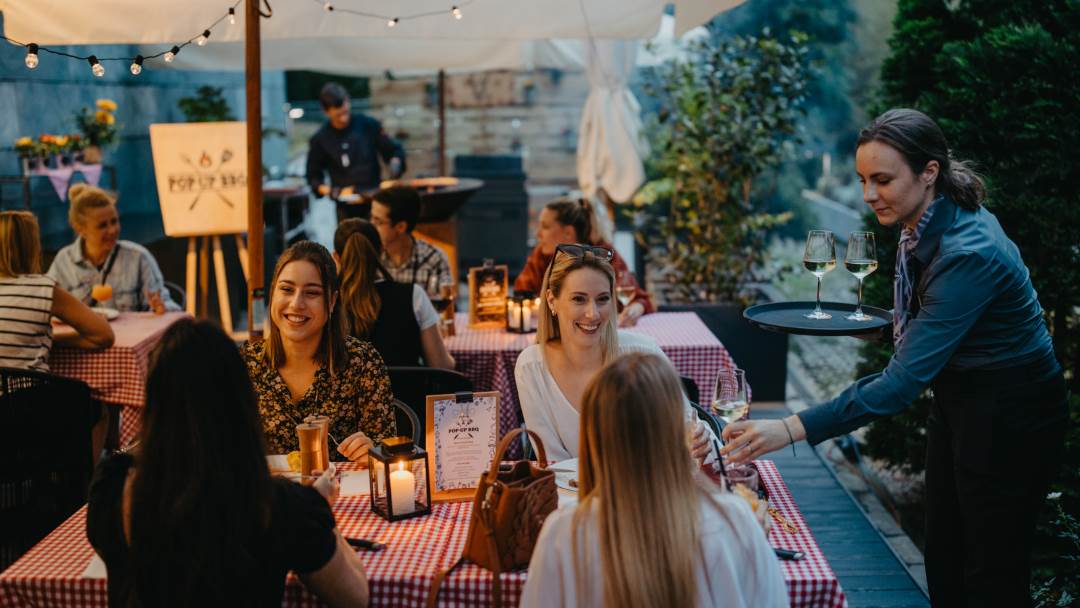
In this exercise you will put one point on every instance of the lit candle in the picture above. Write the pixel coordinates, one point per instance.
(526, 316)
(402, 490)
(515, 315)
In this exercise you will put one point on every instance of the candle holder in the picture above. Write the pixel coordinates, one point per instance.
(522, 309)
(398, 470)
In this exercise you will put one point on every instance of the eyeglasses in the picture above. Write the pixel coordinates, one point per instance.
(579, 250)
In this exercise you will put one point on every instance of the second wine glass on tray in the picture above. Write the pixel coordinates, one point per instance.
(731, 401)
(860, 260)
(819, 258)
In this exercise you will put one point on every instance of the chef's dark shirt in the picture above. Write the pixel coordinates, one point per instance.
(350, 155)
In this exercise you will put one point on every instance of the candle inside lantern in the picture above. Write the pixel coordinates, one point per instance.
(402, 490)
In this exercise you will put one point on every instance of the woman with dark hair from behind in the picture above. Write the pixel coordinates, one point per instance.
(966, 323)
(398, 318)
(193, 515)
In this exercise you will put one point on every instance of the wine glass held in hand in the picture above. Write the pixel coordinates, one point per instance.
(624, 289)
(730, 399)
(820, 257)
(860, 260)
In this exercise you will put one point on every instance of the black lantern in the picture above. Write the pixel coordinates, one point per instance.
(522, 312)
(398, 470)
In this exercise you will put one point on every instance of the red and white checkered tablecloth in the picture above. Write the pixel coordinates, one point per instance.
(51, 574)
(488, 356)
(117, 374)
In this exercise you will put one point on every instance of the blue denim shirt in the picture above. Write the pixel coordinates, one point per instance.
(133, 273)
(974, 308)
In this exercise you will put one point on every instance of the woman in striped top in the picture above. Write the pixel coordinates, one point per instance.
(28, 299)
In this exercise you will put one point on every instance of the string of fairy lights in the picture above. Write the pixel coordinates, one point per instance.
(136, 63)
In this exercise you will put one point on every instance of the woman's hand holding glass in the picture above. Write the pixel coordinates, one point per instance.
(328, 484)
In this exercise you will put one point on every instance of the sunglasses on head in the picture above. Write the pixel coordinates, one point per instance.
(578, 250)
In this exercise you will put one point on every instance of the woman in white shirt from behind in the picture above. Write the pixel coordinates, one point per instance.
(576, 335)
(655, 535)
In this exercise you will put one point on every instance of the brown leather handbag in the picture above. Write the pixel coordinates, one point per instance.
(509, 509)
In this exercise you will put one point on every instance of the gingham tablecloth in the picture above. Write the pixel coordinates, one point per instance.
(51, 574)
(117, 374)
(488, 356)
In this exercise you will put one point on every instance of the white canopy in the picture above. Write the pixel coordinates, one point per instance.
(142, 22)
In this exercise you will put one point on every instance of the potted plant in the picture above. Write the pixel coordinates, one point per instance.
(29, 153)
(727, 115)
(98, 128)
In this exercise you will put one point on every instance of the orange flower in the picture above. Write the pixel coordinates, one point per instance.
(104, 117)
(107, 105)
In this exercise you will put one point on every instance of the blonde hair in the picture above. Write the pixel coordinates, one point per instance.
(20, 245)
(84, 197)
(647, 516)
(547, 326)
(332, 351)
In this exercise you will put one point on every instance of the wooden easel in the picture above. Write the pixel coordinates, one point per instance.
(202, 264)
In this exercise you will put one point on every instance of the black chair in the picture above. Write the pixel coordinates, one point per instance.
(714, 423)
(691, 388)
(47, 460)
(412, 385)
(414, 421)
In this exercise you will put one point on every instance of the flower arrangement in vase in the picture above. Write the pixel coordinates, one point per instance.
(99, 128)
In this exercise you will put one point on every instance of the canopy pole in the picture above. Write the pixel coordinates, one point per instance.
(442, 122)
(253, 112)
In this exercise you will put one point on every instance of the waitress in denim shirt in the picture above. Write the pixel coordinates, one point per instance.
(967, 323)
(98, 257)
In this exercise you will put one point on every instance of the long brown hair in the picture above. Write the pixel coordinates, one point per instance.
(202, 489)
(547, 326)
(20, 244)
(920, 140)
(578, 213)
(332, 351)
(647, 516)
(358, 245)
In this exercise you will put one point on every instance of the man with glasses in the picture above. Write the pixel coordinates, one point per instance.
(394, 213)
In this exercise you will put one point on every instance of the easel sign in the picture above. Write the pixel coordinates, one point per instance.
(462, 434)
(488, 291)
(201, 173)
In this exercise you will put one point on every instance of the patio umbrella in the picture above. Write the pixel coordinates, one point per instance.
(55, 22)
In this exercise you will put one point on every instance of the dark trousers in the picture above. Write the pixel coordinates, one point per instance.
(994, 443)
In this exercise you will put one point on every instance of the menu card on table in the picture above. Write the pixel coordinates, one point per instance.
(462, 434)
(488, 290)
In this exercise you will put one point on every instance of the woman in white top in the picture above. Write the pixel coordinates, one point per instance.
(576, 336)
(655, 535)
(28, 299)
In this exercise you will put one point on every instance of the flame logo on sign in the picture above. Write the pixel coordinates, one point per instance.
(209, 176)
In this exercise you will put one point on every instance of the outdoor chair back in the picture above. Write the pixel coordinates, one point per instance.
(412, 385)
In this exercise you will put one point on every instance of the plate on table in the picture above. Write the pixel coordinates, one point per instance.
(790, 318)
(108, 313)
(566, 480)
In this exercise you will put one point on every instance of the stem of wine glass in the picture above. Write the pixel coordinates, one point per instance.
(818, 307)
(858, 308)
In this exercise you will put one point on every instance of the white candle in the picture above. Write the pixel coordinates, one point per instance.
(515, 315)
(526, 318)
(402, 489)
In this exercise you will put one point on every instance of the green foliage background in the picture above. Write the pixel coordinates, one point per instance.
(1002, 79)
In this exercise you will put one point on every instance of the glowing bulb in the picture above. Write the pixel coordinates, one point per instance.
(95, 66)
(201, 40)
(31, 55)
(392, 22)
(327, 6)
(136, 65)
(232, 16)
(171, 54)
(456, 12)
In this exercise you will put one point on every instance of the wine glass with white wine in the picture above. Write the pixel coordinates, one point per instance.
(625, 288)
(860, 260)
(819, 258)
(731, 401)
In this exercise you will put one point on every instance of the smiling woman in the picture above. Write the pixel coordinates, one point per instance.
(309, 366)
(576, 336)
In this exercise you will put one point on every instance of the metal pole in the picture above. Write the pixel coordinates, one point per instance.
(442, 122)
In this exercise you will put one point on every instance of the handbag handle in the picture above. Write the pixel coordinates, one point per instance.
(505, 444)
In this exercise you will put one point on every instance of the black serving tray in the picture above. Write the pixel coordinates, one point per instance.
(789, 318)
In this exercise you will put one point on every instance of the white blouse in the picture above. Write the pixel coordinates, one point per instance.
(736, 568)
(547, 411)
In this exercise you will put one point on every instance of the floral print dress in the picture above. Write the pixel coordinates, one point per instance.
(357, 398)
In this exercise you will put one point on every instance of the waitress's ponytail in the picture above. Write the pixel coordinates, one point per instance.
(962, 184)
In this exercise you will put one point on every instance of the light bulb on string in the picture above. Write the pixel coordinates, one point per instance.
(31, 55)
(136, 65)
(201, 40)
(393, 22)
(456, 12)
(232, 16)
(171, 54)
(327, 6)
(95, 66)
